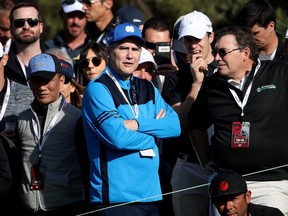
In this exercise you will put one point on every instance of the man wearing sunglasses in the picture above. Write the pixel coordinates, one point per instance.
(246, 101)
(123, 115)
(72, 37)
(100, 18)
(26, 28)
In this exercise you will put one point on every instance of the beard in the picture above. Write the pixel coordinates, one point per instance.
(26, 39)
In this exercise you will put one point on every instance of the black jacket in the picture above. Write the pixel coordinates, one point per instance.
(13, 68)
(259, 210)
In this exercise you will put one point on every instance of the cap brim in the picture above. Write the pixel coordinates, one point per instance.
(227, 194)
(43, 74)
(197, 33)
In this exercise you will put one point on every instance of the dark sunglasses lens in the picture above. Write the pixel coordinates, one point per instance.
(222, 53)
(32, 22)
(87, 2)
(150, 45)
(19, 23)
(84, 63)
(96, 61)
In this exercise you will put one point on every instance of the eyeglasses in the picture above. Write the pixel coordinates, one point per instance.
(89, 2)
(222, 52)
(150, 45)
(32, 22)
(95, 60)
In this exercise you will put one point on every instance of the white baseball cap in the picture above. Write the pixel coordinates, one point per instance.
(195, 24)
(146, 56)
(69, 6)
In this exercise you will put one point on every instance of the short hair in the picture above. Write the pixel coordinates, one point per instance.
(97, 48)
(243, 36)
(158, 24)
(24, 5)
(256, 12)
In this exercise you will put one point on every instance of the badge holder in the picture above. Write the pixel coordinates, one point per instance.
(37, 178)
(240, 135)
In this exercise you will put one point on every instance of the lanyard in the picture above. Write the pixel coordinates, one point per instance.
(240, 103)
(6, 99)
(136, 111)
(273, 54)
(47, 132)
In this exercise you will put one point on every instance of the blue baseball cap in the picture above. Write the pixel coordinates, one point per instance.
(123, 31)
(44, 65)
(130, 14)
(67, 70)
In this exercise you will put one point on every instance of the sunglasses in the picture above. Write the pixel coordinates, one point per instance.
(19, 23)
(150, 45)
(95, 60)
(222, 52)
(88, 2)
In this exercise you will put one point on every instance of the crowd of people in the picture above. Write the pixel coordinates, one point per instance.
(100, 120)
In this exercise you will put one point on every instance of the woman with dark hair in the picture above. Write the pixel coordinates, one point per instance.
(92, 62)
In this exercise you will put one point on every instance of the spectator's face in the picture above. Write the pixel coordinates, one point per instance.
(263, 35)
(145, 71)
(47, 91)
(233, 205)
(152, 36)
(26, 34)
(93, 66)
(74, 23)
(232, 64)
(67, 90)
(5, 33)
(95, 11)
(199, 47)
(124, 57)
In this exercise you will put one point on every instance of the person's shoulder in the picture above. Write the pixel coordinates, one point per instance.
(255, 209)
(23, 114)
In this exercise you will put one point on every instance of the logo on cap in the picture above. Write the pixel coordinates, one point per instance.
(129, 29)
(224, 186)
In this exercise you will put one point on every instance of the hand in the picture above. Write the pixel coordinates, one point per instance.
(161, 114)
(131, 124)
(165, 69)
(198, 67)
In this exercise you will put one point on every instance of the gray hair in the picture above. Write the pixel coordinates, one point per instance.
(60, 54)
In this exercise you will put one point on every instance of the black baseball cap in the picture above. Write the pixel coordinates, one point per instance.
(227, 184)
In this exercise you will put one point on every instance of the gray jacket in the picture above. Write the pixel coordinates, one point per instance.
(60, 163)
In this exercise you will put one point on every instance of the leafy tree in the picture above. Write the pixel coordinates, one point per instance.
(221, 12)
